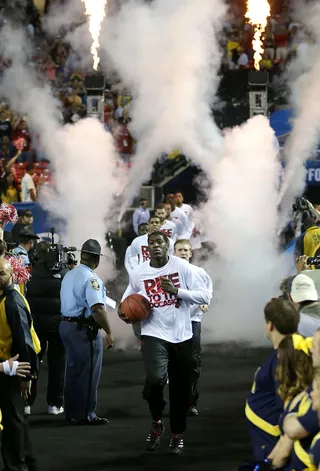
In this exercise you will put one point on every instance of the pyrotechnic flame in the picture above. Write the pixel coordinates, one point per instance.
(258, 12)
(95, 10)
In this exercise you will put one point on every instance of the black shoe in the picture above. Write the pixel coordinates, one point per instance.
(193, 412)
(153, 439)
(176, 443)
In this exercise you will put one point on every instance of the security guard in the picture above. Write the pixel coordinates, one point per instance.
(83, 308)
(17, 337)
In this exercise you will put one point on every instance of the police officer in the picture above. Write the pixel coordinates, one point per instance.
(27, 240)
(44, 298)
(83, 308)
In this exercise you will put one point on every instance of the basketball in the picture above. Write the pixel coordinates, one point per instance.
(135, 307)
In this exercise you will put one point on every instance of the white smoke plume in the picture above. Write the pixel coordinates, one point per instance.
(167, 54)
(240, 218)
(88, 173)
(305, 88)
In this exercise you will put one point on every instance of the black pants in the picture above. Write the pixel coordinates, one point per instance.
(52, 343)
(16, 447)
(196, 363)
(163, 359)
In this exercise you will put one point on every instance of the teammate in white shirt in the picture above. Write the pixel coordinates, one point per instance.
(169, 228)
(178, 217)
(172, 286)
(183, 249)
(186, 208)
(142, 230)
(139, 247)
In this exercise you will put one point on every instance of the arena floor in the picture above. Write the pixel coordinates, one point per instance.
(217, 440)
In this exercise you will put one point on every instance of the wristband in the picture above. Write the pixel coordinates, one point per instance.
(7, 370)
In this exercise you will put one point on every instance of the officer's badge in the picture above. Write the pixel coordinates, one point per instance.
(95, 284)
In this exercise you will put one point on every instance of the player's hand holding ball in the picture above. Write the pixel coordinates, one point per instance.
(168, 287)
(134, 308)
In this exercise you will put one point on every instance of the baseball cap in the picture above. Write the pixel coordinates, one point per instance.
(303, 289)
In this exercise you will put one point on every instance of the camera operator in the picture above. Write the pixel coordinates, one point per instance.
(44, 299)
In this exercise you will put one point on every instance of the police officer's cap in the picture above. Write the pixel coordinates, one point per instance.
(27, 231)
(92, 246)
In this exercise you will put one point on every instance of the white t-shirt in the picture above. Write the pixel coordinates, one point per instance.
(140, 250)
(170, 315)
(196, 313)
(27, 184)
(184, 226)
(169, 228)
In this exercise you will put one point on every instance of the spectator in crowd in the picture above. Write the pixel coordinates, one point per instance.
(305, 296)
(309, 242)
(140, 215)
(28, 187)
(10, 192)
(264, 405)
(5, 125)
(17, 337)
(25, 218)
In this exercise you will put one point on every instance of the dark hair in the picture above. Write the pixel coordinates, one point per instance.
(159, 233)
(153, 216)
(160, 206)
(42, 249)
(3, 247)
(283, 314)
(89, 257)
(24, 239)
(294, 371)
(309, 222)
(143, 224)
(29, 167)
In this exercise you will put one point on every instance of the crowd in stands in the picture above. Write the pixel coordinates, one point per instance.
(280, 40)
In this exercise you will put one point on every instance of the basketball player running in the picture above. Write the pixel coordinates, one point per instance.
(169, 228)
(183, 249)
(171, 285)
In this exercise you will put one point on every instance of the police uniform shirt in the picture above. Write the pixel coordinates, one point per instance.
(81, 288)
(196, 313)
(308, 418)
(170, 314)
(140, 250)
(264, 406)
(21, 252)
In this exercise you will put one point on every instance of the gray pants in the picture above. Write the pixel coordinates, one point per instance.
(83, 370)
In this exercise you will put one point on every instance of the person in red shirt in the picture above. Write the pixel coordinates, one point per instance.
(124, 140)
(22, 132)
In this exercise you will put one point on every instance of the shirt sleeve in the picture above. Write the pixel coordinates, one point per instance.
(94, 292)
(134, 252)
(207, 280)
(196, 292)
(127, 260)
(308, 418)
(132, 288)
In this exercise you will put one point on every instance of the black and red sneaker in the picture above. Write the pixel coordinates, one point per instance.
(153, 439)
(176, 443)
